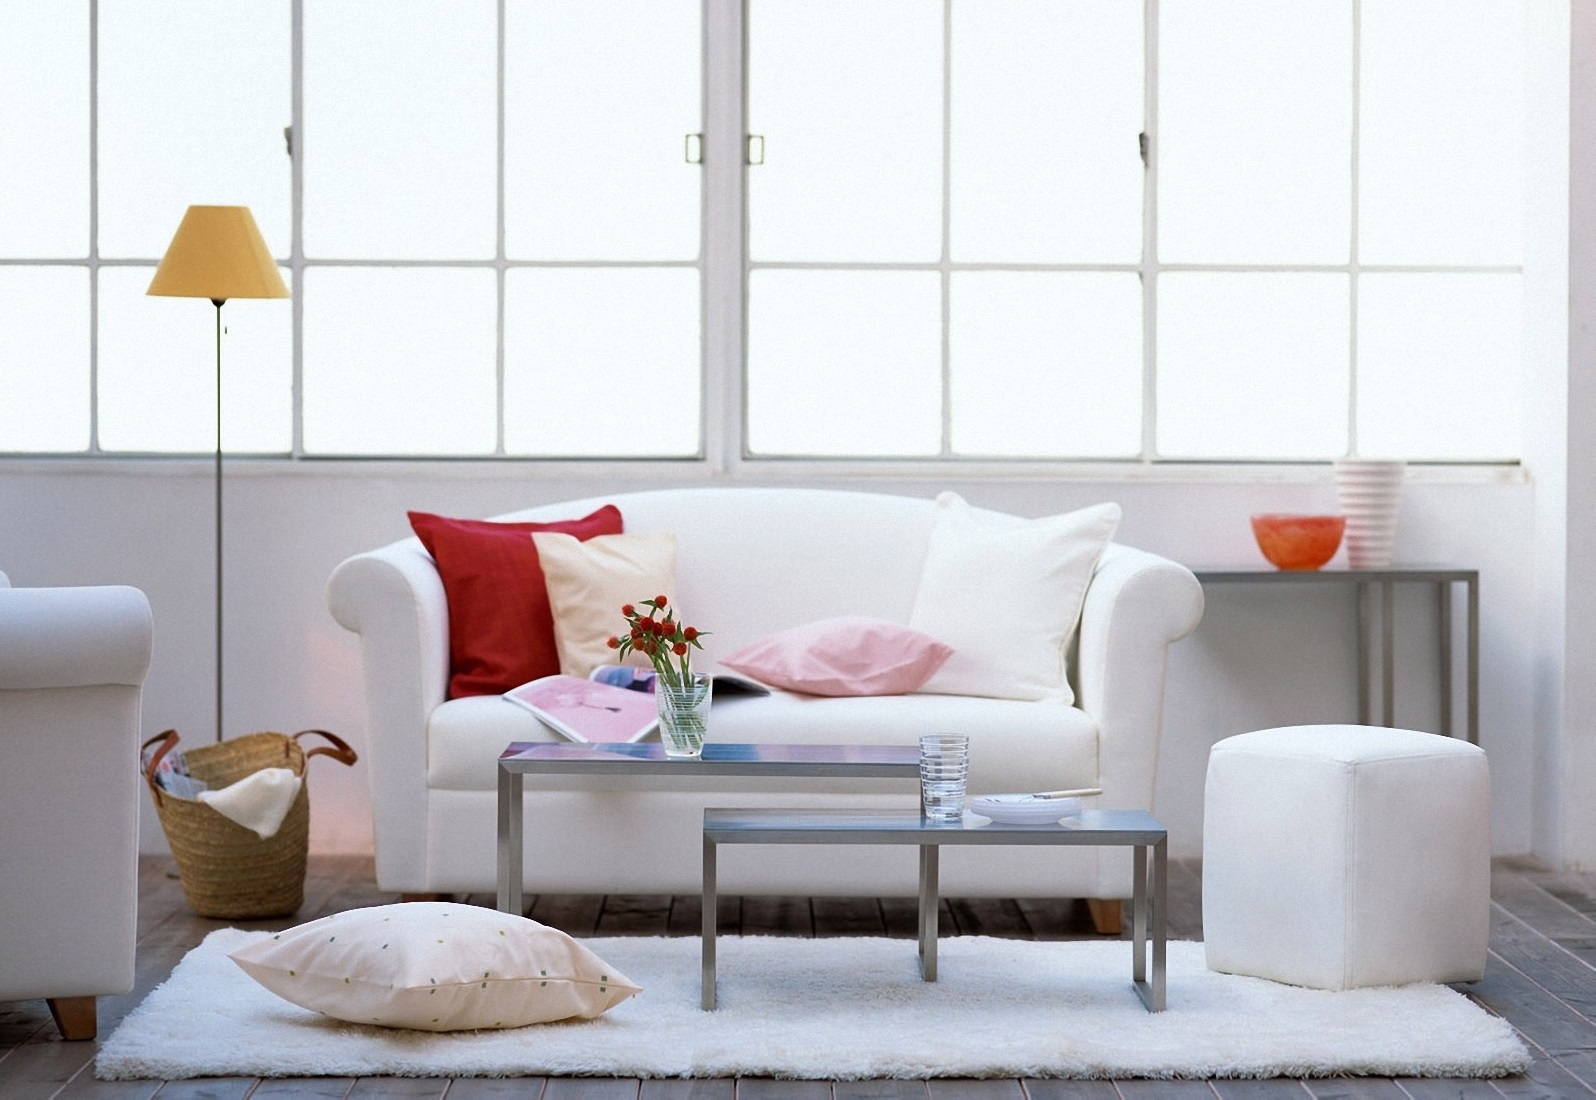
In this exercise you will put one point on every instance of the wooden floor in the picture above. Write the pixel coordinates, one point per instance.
(1540, 978)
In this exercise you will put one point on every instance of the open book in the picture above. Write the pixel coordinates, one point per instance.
(633, 678)
(587, 710)
(615, 702)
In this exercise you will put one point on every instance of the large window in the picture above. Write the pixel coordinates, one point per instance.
(1035, 230)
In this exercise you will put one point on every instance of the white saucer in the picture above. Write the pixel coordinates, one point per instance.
(1024, 809)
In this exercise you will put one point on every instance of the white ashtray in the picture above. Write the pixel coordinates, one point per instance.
(1024, 809)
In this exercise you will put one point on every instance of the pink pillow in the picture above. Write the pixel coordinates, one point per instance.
(843, 656)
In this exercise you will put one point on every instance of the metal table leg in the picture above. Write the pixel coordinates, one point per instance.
(511, 790)
(711, 929)
(1160, 923)
(1387, 653)
(929, 906)
(1443, 627)
(1149, 921)
(1363, 654)
(1474, 659)
(1139, 919)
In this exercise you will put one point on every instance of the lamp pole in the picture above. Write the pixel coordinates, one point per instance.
(217, 302)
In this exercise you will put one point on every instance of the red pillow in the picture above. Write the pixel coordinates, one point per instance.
(501, 630)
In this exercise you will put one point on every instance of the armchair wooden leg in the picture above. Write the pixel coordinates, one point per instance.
(74, 1016)
(1107, 915)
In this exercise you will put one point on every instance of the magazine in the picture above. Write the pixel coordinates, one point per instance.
(634, 678)
(587, 710)
(171, 774)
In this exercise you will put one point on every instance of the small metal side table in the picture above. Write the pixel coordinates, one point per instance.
(1385, 580)
(524, 758)
(1135, 829)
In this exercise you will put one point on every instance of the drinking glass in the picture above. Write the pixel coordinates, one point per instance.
(944, 764)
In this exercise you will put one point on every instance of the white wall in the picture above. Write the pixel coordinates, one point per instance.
(1568, 823)
(1261, 658)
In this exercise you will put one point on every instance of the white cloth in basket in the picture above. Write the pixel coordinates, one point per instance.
(259, 801)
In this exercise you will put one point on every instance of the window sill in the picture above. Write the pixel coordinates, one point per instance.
(645, 472)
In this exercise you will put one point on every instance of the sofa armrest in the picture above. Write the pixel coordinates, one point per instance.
(1137, 605)
(393, 599)
(74, 637)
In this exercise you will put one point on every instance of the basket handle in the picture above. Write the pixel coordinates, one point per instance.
(168, 742)
(340, 750)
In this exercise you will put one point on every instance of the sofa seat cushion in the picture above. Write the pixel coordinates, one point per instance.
(1014, 746)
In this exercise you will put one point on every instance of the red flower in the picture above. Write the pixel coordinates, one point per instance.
(654, 632)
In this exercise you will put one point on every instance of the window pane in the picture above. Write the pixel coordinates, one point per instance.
(1047, 105)
(401, 129)
(1046, 364)
(844, 363)
(157, 377)
(1252, 366)
(44, 113)
(1255, 131)
(1441, 125)
(44, 368)
(581, 346)
(599, 97)
(193, 99)
(1440, 366)
(848, 96)
(399, 361)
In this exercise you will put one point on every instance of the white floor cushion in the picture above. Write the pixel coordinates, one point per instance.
(1343, 856)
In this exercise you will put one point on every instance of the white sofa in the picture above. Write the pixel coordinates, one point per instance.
(72, 666)
(750, 562)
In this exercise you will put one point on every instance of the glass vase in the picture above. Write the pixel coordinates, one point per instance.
(683, 713)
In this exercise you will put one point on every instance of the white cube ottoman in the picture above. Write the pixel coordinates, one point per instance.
(1345, 856)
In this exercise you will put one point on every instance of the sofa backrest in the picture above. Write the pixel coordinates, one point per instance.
(751, 561)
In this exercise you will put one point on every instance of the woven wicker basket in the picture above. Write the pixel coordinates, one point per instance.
(226, 870)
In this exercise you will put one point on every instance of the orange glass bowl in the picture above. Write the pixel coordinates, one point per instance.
(1298, 542)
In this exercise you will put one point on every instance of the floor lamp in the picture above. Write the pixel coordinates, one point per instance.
(218, 253)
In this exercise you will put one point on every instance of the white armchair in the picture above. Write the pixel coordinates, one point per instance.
(72, 666)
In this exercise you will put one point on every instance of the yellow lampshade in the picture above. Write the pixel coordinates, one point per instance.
(218, 254)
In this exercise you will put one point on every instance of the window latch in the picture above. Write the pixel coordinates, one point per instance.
(755, 152)
(693, 148)
(1141, 146)
(288, 139)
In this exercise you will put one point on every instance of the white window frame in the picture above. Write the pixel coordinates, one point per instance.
(724, 267)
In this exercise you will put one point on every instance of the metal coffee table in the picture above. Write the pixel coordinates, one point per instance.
(524, 758)
(1132, 828)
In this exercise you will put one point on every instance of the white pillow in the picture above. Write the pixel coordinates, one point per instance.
(589, 581)
(1006, 595)
(435, 966)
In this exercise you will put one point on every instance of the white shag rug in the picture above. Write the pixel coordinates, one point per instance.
(843, 1009)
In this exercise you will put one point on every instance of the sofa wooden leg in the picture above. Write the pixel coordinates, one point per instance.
(74, 1016)
(426, 897)
(1107, 915)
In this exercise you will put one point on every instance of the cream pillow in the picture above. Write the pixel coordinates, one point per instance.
(1007, 596)
(435, 966)
(588, 581)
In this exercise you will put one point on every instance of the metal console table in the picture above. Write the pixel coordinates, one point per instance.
(1385, 580)
(524, 758)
